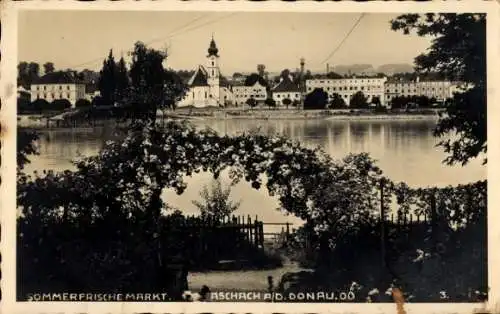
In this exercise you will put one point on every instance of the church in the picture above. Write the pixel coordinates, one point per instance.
(207, 88)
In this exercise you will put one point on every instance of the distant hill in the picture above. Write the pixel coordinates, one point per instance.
(354, 69)
(390, 69)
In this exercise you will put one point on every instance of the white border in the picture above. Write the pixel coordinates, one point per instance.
(9, 11)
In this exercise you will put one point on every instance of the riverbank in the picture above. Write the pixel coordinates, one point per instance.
(200, 114)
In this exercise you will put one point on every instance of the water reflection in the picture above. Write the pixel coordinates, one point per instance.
(405, 151)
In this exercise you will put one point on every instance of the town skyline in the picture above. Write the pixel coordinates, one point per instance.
(348, 43)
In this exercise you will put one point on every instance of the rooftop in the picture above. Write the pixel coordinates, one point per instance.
(286, 85)
(58, 78)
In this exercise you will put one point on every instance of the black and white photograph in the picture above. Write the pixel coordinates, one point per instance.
(256, 156)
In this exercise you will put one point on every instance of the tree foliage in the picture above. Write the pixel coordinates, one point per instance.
(287, 102)
(337, 102)
(254, 78)
(358, 101)
(27, 73)
(117, 195)
(317, 99)
(251, 102)
(458, 52)
(48, 67)
(83, 103)
(271, 103)
(107, 80)
(216, 202)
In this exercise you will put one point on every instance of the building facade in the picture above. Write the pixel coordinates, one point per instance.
(242, 93)
(439, 90)
(286, 89)
(58, 85)
(207, 88)
(346, 87)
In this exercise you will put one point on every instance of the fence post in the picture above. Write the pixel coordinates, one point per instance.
(287, 229)
(382, 224)
(256, 233)
(433, 218)
(261, 234)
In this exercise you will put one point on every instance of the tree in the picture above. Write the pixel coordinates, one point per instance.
(287, 102)
(254, 78)
(25, 146)
(23, 105)
(48, 67)
(121, 80)
(296, 103)
(399, 102)
(60, 104)
(33, 71)
(317, 99)
(458, 52)
(83, 103)
(98, 101)
(285, 74)
(337, 102)
(107, 79)
(358, 101)
(216, 201)
(423, 101)
(175, 89)
(237, 75)
(333, 75)
(251, 102)
(270, 103)
(148, 91)
(40, 105)
(376, 101)
(22, 74)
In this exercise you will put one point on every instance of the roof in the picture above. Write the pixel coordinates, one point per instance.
(199, 78)
(286, 85)
(58, 78)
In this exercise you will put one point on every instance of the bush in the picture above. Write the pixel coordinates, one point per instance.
(83, 103)
(60, 105)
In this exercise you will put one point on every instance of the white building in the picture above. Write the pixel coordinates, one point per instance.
(58, 85)
(439, 90)
(242, 93)
(286, 89)
(346, 87)
(207, 88)
(400, 88)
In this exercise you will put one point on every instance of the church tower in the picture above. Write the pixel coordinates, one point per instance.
(213, 75)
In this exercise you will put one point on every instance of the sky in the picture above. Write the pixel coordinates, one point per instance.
(82, 39)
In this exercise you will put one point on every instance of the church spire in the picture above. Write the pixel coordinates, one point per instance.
(213, 50)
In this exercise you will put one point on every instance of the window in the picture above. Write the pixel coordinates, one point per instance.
(60, 86)
(278, 96)
(362, 88)
(45, 88)
(297, 95)
(350, 87)
(213, 63)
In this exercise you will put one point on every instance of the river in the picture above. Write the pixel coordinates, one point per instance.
(404, 150)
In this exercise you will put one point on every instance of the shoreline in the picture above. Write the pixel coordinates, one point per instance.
(37, 122)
